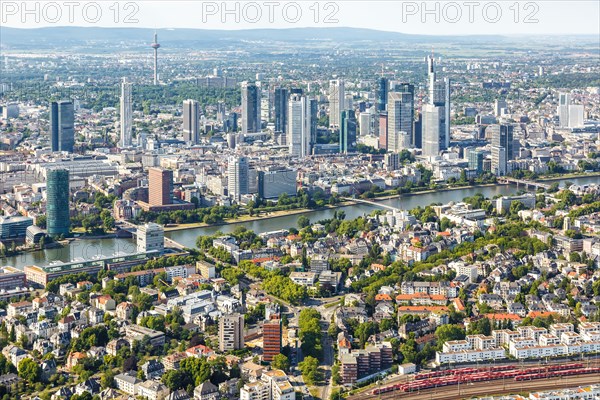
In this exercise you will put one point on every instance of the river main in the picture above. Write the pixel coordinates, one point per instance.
(105, 247)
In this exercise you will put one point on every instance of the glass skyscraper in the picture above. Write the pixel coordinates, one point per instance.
(348, 132)
(62, 133)
(57, 202)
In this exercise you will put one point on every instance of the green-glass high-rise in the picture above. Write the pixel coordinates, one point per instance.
(57, 202)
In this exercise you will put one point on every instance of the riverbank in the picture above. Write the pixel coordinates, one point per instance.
(300, 211)
(569, 176)
(248, 218)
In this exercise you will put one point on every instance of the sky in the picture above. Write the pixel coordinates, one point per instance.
(557, 17)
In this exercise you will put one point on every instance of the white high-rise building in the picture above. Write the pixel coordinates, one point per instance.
(564, 101)
(191, 121)
(434, 124)
(231, 332)
(301, 129)
(439, 96)
(400, 120)
(364, 119)
(150, 236)
(337, 96)
(237, 177)
(576, 116)
(126, 113)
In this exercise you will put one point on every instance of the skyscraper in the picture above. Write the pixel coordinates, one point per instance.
(564, 101)
(434, 125)
(231, 332)
(126, 113)
(364, 120)
(502, 147)
(401, 114)
(237, 177)
(382, 93)
(439, 97)
(337, 98)
(302, 125)
(62, 121)
(271, 339)
(348, 132)
(57, 202)
(281, 109)
(250, 108)
(160, 182)
(191, 121)
(383, 130)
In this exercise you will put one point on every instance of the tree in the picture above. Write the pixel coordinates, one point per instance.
(445, 333)
(280, 362)
(130, 363)
(310, 370)
(303, 221)
(107, 380)
(29, 370)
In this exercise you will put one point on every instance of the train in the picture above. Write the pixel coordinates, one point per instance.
(457, 376)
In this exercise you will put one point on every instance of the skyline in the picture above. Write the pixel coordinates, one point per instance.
(437, 18)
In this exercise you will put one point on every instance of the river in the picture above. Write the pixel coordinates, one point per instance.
(90, 248)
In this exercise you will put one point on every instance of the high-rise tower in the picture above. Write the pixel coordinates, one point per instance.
(62, 120)
(155, 46)
(57, 202)
(337, 97)
(191, 121)
(251, 122)
(126, 113)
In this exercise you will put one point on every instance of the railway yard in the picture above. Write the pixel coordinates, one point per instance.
(462, 383)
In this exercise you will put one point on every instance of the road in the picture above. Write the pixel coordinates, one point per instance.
(486, 388)
(327, 343)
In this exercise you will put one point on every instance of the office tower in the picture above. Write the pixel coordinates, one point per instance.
(576, 116)
(62, 121)
(231, 332)
(418, 132)
(296, 91)
(281, 109)
(57, 202)
(401, 115)
(348, 132)
(191, 121)
(271, 339)
(502, 147)
(150, 237)
(365, 123)
(382, 94)
(439, 96)
(498, 106)
(296, 125)
(476, 161)
(302, 125)
(433, 128)
(237, 177)
(564, 101)
(160, 182)
(221, 111)
(126, 113)
(383, 130)
(337, 98)
(155, 46)
(250, 108)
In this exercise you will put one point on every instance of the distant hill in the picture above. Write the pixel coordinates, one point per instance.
(65, 36)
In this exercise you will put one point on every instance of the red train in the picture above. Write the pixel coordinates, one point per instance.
(468, 375)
